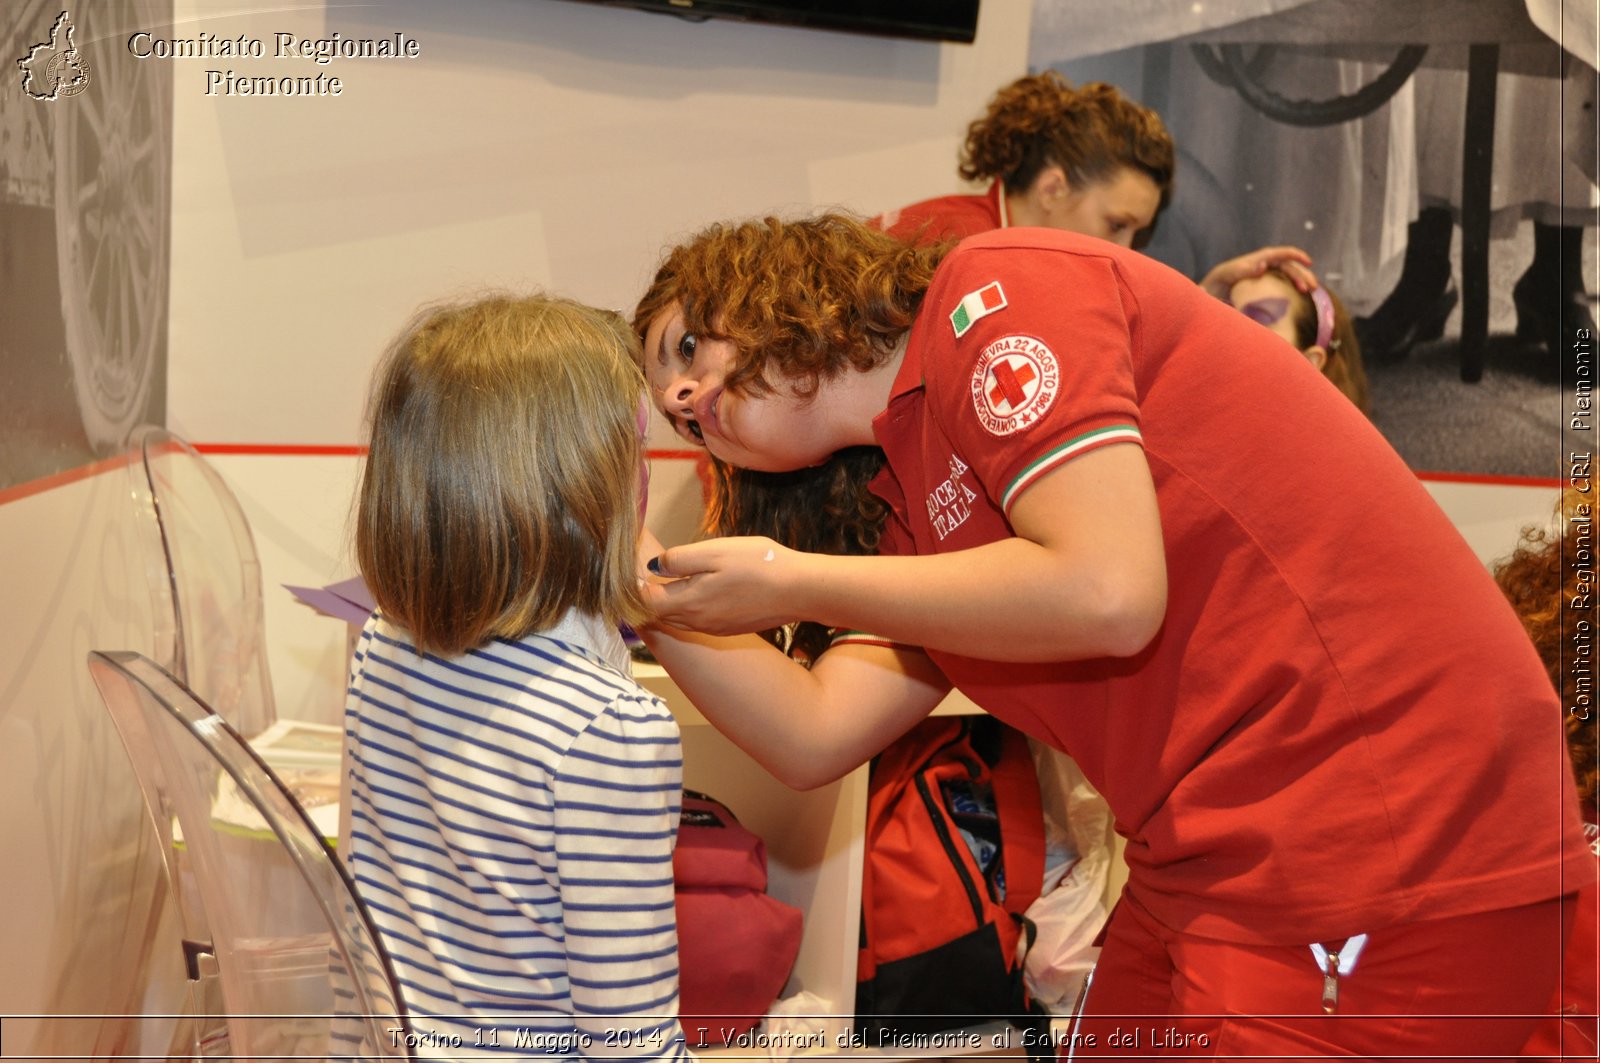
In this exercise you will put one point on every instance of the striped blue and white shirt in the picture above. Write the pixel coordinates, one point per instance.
(511, 824)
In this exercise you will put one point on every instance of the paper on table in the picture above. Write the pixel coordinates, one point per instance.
(305, 757)
(300, 744)
(316, 793)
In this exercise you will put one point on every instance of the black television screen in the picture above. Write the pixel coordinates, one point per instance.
(934, 20)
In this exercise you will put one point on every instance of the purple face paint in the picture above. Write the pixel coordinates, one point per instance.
(1267, 312)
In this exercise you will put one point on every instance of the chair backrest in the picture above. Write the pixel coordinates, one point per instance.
(206, 579)
(303, 974)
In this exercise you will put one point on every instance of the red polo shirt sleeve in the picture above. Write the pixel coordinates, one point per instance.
(1030, 361)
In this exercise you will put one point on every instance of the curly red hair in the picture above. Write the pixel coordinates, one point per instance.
(1549, 580)
(1091, 132)
(810, 298)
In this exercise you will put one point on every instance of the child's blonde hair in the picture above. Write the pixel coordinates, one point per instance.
(502, 484)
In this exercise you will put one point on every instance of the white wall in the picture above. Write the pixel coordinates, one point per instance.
(535, 142)
(532, 143)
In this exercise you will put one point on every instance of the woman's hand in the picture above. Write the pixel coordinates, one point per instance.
(1293, 262)
(648, 547)
(723, 586)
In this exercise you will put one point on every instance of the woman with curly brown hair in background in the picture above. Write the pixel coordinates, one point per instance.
(1550, 581)
(1085, 159)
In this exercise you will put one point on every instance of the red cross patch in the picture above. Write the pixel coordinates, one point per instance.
(1014, 383)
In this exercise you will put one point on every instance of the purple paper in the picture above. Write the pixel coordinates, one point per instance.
(355, 591)
(326, 600)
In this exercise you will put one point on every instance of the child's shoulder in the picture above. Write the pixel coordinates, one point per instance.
(581, 665)
(571, 672)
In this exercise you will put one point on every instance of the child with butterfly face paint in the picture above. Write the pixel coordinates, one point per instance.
(1315, 322)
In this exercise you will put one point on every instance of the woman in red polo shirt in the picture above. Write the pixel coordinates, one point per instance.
(1133, 524)
(1084, 159)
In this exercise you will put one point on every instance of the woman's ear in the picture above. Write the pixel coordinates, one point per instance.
(1051, 188)
(1042, 200)
(1317, 356)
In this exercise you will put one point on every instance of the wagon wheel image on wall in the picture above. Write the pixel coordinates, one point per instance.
(1231, 68)
(113, 180)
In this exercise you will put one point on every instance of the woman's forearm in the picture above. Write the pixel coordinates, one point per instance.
(1006, 601)
(1083, 576)
(806, 727)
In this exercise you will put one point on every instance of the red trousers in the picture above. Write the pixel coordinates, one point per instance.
(1470, 987)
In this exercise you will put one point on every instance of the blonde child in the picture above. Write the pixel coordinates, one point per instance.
(514, 794)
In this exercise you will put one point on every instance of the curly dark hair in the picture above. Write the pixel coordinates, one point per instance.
(1549, 580)
(1090, 132)
(825, 509)
(810, 298)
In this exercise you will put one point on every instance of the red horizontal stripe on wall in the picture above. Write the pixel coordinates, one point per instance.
(695, 454)
(1482, 478)
(352, 450)
(60, 479)
(83, 472)
(294, 450)
(297, 450)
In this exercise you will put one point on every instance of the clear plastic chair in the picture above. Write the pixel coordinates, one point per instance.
(206, 579)
(301, 970)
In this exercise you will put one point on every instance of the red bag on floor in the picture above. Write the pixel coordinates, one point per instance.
(736, 945)
(954, 856)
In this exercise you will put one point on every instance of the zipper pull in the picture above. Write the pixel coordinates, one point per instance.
(1330, 984)
(1334, 964)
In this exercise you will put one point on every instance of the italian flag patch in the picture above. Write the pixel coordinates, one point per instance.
(973, 305)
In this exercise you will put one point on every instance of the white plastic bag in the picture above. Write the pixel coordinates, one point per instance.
(1071, 910)
(794, 1026)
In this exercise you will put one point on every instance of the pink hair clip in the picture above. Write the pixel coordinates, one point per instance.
(1324, 304)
